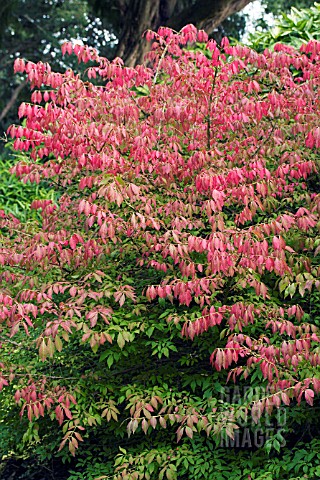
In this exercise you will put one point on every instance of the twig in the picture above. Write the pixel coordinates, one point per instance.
(160, 61)
(12, 100)
(209, 110)
(10, 341)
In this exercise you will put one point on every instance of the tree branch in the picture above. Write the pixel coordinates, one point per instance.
(207, 13)
(12, 100)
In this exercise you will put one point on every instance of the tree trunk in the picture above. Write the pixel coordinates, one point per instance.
(138, 18)
(11, 102)
(141, 15)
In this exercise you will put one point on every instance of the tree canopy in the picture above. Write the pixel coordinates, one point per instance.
(128, 20)
(159, 301)
(180, 252)
(35, 30)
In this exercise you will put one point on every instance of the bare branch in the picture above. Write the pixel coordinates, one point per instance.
(12, 100)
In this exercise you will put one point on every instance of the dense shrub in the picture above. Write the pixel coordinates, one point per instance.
(15, 196)
(182, 254)
(296, 28)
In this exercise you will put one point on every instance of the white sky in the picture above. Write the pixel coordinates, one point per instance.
(254, 11)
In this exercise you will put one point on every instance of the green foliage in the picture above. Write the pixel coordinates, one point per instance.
(276, 7)
(295, 28)
(16, 196)
(203, 460)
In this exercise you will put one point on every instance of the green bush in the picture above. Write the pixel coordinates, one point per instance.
(16, 196)
(294, 29)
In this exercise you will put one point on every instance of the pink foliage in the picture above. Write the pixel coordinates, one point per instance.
(233, 131)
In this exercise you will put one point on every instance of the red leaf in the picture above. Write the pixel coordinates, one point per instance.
(257, 410)
(68, 413)
(309, 395)
(73, 242)
(180, 433)
(285, 398)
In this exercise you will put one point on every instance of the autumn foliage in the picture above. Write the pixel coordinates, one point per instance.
(182, 244)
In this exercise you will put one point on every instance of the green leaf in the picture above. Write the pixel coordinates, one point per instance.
(120, 340)
(58, 343)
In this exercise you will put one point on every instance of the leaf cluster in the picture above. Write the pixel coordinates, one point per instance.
(164, 305)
